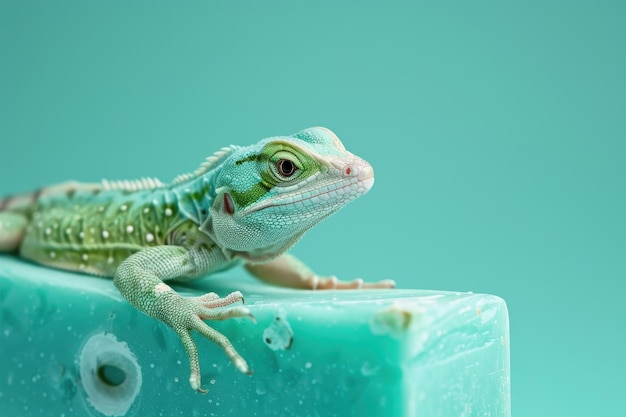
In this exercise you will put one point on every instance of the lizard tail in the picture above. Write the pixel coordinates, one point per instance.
(23, 203)
(19, 202)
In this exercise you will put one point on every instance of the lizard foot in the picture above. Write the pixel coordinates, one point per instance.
(333, 283)
(187, 315)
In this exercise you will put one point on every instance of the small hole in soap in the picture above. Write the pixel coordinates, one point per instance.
(111, 375)
(268, 340)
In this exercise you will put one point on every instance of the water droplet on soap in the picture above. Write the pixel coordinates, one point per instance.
(368, 369)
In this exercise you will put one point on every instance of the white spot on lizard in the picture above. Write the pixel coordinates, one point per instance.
(129, 228)
(168, 212)
(105, 234)
(149, 237)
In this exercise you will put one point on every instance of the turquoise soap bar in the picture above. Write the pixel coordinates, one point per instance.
(71, 346)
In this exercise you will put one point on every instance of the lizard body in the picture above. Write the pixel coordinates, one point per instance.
(243, 205)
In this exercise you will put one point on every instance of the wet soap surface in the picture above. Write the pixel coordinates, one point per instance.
(71, 346)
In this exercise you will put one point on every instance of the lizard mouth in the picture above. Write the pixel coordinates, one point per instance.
(333, 193)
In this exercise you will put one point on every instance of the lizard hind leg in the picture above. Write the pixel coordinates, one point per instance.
(288, 271)
(12, 230)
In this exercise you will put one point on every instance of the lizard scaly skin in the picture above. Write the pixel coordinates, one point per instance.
(243, 205)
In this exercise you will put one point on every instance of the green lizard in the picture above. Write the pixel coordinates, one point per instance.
(243, 205)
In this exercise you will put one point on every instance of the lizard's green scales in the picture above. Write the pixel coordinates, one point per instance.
(244, 204)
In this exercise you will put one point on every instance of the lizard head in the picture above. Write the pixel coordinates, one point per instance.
(269, 194)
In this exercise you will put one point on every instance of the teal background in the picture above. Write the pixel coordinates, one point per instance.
(496, 129)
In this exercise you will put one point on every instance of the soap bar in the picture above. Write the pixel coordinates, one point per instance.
(71, 346)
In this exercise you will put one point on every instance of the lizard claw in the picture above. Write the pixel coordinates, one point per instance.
(187, 315)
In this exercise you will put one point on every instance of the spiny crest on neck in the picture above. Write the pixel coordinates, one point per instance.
(155, 183)
(205, 166)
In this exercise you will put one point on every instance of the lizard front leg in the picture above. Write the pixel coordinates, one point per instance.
(288, 271)
(140, 280)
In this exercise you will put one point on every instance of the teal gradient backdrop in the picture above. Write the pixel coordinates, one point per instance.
(496, 129)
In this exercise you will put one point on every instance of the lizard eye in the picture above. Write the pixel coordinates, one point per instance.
(285, 167)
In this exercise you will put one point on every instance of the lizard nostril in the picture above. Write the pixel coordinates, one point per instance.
(351, 171)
